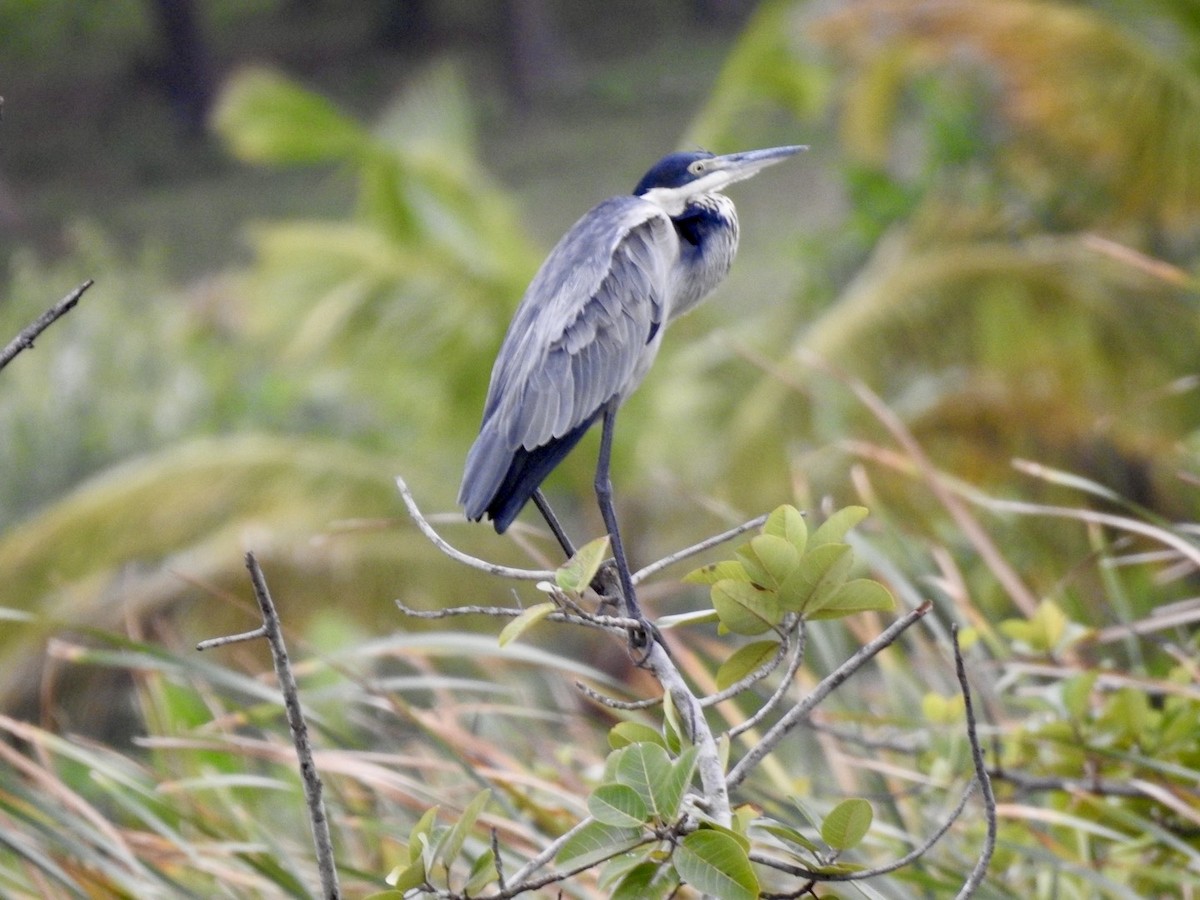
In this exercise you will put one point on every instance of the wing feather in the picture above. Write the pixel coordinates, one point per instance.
(581, 336)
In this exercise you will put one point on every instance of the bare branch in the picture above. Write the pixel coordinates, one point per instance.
(989, 799)
(612, 702)
(715, 541)
(800, 712)
(465, 558)
(1098, 786)
(24, 340)
(606, 623)
(313, 788)
(549, 851)
(228, 639)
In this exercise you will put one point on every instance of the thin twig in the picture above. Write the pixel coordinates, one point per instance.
(497, 861)
(859, 874)
(607, 623)
(1099, 787)
(211, 643)
(778, 694)
(549, 851)
(291, 700)
(707, 544)
(989, 799)
(466, 559)
(753, 678)
(24, 340)
(612, 702)
(800, 712)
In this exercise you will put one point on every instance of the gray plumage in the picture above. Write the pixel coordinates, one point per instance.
(593, 318)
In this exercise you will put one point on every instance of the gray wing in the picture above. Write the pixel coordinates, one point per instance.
(583, 333)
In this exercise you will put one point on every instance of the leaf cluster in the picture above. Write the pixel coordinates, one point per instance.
(786, 575)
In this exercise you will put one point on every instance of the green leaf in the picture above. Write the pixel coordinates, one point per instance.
(577, 573)
(745, 660)
(790, 835)
(668, 793)
(743, 608)
(788, 523)
(1077, 694)
(847, 824)
(939, 710)
(405, 878)
(423, 828)
(453, 843)
(619, 805)
(483, 872)
(524, 621)
(644, 767)
(768, 560)
(822, 571)
(833, 530)
(646, 881)
(596, 842)
(672, 727)
(1051, 624)
(743, 817)
(719, 571)
(714, 863)
(625, 733)
(858, 595)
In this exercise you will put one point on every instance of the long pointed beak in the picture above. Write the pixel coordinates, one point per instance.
(740, 166)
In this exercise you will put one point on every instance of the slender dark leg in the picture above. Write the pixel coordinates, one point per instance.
(543, 506)
(604, 498)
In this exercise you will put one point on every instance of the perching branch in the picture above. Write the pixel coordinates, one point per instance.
(24, 340)
(313, 788)
(465, 558)
(519, 574)
(713, 796)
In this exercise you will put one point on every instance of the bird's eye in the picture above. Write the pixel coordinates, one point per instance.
(696, 167)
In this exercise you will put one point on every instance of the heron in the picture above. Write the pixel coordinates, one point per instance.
(589, 327)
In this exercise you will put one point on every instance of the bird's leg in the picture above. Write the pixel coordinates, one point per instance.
(645, 634)
(602, 584)
(543, 506)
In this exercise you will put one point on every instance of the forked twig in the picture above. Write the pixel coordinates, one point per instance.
(311, 778)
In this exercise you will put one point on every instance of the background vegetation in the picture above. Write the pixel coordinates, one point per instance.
(972, 307)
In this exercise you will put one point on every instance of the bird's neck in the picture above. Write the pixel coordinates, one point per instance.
(708, 240)
(705, 216)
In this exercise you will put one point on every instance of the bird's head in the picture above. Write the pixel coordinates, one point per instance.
(678, 177)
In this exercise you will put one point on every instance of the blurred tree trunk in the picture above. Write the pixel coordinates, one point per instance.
(535, 51)
(406, 23)
(186, 70)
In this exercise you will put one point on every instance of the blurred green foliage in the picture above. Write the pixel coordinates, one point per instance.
(1015, 275)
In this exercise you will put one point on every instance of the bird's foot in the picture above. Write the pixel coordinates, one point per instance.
(642, 639)
(644, 635)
